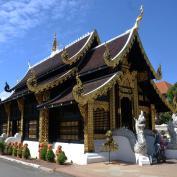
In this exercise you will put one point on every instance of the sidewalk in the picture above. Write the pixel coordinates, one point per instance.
(119, 169)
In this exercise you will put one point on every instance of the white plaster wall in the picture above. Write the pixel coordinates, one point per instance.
(73, 151)
(33, 146)
(124, 152)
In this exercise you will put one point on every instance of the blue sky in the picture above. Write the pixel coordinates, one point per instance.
(27, 28)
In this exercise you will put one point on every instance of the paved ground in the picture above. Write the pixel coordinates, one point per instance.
(116, 169)
(168, 169)
(12, 169)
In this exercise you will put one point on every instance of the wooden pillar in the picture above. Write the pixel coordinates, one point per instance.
(43, 117)
(135, 95)
(112, 109)
(43, 125)
(21, 108)
(7, 109)
(153, 114)
(89, 129)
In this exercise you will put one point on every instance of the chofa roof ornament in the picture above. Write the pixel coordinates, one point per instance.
(55, 44)
(139, 18)
(159, 73)
(7, 87)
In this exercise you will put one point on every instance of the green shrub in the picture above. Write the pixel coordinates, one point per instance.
(2, 147)
(19, 150)
(61, 158)
(9, 149)
(50, 156)
(14, 149)
(26, 152)
(43, 151)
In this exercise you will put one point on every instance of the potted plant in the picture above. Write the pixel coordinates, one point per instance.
(110, 144)
(26, 152)
(10, 149)
(2, 147)
(19, 150)
(42, 151)
(61, 157)
(50, 156)
(14, 149)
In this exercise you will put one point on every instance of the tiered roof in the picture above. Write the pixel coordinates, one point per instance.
(97, 64)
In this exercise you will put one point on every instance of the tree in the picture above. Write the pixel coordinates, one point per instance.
(164, 117)
(172, 95)
(110, 144)
(172, 99)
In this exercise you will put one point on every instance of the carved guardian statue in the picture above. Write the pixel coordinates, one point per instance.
(140, 146)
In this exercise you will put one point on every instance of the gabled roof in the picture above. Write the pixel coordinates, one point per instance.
(95, 58)
(91, 89)
(75, 51)
(163, 86)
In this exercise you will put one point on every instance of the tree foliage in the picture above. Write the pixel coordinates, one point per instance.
(172, 94)
(172, 99)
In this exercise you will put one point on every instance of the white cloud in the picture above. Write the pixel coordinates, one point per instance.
(16, 17)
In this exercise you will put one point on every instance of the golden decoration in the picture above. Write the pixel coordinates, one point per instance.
(20, 103)
(37, 88)
(127, 80)
(117, 59)
(32, 81)
(126, 49)
(82, 99)
(106, 55)
(55, 43)
(101, 105)
(82, 52)
(139, 18)
(65, 56)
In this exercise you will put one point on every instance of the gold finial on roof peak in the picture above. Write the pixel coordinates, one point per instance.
(139, 18)
(55, 43)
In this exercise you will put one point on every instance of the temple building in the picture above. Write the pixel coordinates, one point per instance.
(79, 92)
(163, 87)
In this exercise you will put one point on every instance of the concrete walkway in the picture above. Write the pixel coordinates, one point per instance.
(118, 169)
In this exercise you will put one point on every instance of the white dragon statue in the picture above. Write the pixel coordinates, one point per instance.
(140, 146)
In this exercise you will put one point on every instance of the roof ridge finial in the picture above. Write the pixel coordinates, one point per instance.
(139, 18)
(55, 43)
(159, 72)
(29, 64)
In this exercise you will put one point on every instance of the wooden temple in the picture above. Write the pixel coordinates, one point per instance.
(81, 91)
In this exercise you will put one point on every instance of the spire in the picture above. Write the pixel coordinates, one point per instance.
(139, 18)
(55, 43)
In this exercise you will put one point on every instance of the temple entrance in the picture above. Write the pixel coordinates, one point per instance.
(126, 113)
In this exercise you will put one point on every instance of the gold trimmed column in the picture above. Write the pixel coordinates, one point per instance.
(21, 108)
(112, 109)
(153, 114)
(7, 109)
(89, 129)
(43, 117)
(135, 94)
(43, 125)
